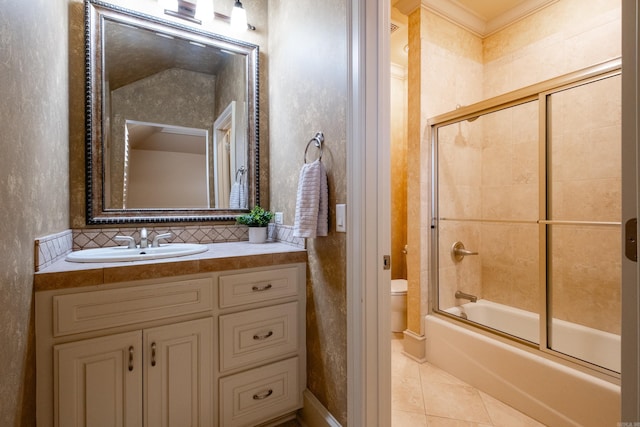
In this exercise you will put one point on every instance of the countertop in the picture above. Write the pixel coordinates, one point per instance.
(219, 257)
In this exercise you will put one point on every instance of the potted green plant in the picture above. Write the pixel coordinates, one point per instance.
(257, 220)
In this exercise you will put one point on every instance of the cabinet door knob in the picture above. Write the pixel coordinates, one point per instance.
(130, 358)
(263, 395)
(153, 354)
(263, 336)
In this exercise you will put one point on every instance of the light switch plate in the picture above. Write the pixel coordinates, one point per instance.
(278, 218)
(341, 218)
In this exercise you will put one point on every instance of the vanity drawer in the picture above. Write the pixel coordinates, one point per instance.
(259, 394)
(255, 336)
(246, 288)
(89, 311)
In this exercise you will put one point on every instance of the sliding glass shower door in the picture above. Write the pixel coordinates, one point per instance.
(584, 214)
(526, 216)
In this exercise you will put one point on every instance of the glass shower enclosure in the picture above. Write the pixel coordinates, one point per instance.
(526, 213)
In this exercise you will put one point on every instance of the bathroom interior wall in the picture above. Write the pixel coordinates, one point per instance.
(445, 70)
(34, 195)
(192, 97)
(398, 91)
(563, 37)
(308, 93)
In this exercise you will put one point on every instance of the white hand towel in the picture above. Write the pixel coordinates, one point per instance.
(312, 202)
(242, 196)
(234, 197)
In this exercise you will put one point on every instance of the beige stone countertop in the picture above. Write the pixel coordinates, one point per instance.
(219, 257)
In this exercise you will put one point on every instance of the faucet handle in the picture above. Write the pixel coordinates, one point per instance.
(157, 238)
(131, 243)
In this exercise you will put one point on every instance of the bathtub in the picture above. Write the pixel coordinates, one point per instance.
(542, 386)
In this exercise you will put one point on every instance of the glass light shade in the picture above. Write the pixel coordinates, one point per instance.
(168, 4)
(238, 18)
(205, 11)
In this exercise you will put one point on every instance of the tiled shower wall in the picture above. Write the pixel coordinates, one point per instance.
(561, 38)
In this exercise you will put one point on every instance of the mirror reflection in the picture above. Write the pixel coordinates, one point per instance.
(178, 119)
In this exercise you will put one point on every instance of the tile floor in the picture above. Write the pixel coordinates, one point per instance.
(425, 396)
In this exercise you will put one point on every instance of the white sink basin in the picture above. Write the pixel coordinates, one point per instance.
(123, 253)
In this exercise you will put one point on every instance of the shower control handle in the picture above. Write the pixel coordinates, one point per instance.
(458, 251)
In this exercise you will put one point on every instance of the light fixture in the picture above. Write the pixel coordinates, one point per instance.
(204, 11)
(185, 10)
(238, 17)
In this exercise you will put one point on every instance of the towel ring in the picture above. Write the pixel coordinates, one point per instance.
(317, 140)
(240, 171)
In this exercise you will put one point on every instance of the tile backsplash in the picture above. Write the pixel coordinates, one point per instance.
(51, 248)
(87, 238)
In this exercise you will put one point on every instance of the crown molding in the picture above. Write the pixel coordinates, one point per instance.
(455, 12)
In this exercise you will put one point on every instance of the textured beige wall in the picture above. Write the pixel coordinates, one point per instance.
(34, 195)
(308, 93)
(564, 37)
(445, 70)
(173, 97)
(398, 172)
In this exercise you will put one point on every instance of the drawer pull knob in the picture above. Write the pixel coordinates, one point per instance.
(153, 354)
(266, 287)
(262, 337)
(263, 395)
(130, 358)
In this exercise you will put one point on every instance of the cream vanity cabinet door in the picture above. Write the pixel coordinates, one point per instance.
(98, 382)
(157, 377)
(178, 376)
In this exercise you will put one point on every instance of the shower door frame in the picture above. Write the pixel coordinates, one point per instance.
(540, 92)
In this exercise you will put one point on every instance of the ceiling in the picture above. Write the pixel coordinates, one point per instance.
(489, 9)
(481, 17)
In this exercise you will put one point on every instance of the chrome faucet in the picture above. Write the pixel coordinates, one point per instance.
(131, 243)
(144, 243)
(156, 240)
(462, 295)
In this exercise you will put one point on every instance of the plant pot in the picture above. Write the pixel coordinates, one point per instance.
(257, 234)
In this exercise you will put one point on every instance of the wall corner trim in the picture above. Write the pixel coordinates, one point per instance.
(314, 414)
(414, 346)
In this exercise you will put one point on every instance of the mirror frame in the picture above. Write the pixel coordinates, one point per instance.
(95, 13)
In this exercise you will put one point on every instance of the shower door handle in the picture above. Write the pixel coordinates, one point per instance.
(630, 239)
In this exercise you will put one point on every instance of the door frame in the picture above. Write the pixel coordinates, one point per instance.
(368, 215)
(630, 375)
(368, 353)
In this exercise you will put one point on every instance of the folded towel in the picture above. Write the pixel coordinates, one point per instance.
(242, 196)
(234, 197)
(312, 202)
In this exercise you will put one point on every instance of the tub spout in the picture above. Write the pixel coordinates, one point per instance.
(462, 295)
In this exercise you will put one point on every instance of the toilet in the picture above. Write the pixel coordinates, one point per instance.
(398, 305)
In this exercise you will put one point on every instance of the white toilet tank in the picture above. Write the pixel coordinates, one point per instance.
(398, 305)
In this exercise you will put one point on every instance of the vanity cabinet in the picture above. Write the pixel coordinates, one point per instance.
(157, 375)
(261, 330)
(216, 349)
